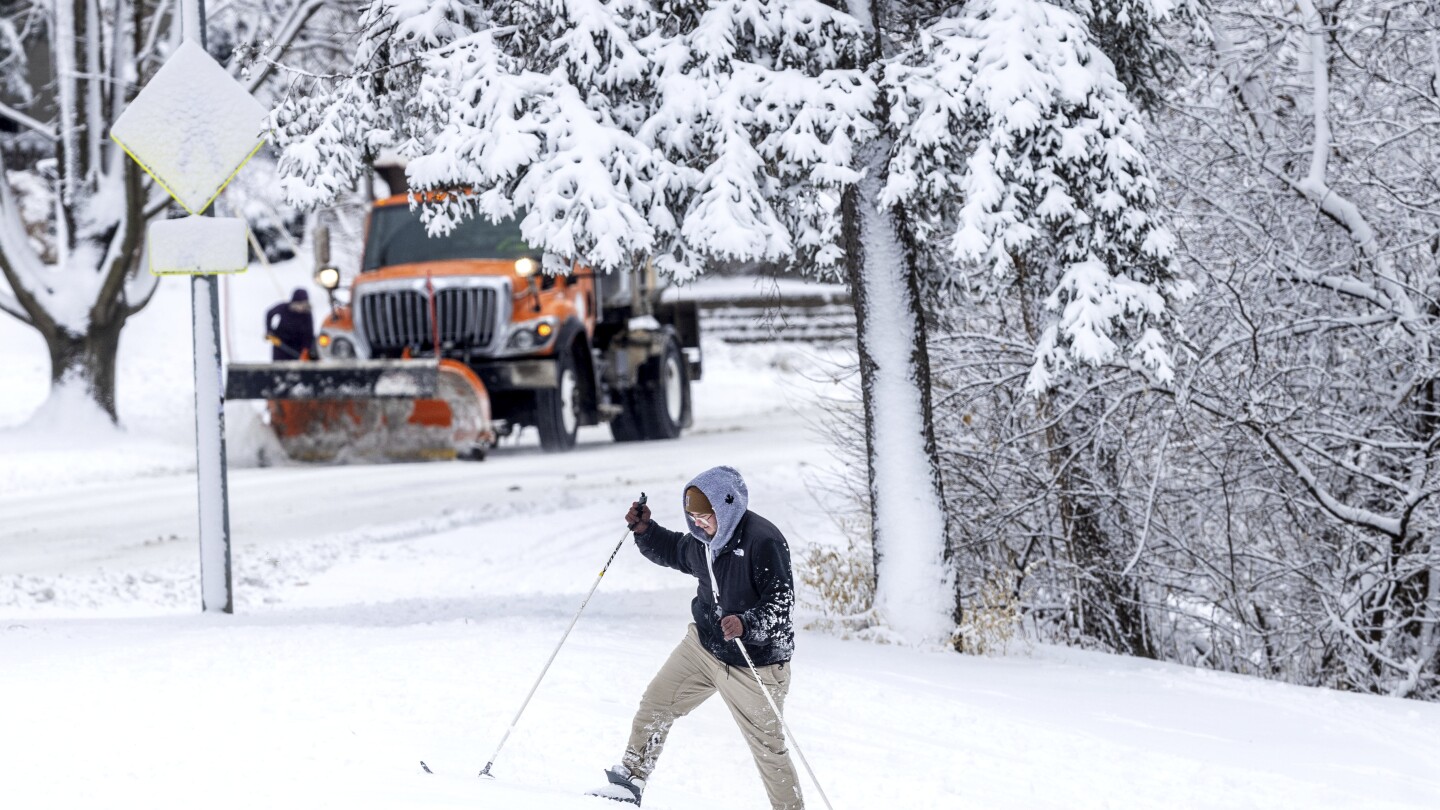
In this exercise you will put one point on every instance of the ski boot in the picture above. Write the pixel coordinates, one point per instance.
(622, 787)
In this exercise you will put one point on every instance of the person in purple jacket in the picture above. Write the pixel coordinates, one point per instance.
(746, 591)
(290, 328)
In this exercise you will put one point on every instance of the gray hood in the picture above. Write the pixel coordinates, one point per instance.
(728, 497)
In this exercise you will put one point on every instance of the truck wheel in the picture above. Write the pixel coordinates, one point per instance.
(558, 409)
(625, 427)
(664, 398)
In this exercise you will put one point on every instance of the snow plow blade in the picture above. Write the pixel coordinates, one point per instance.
(356, 379)
(368, 410)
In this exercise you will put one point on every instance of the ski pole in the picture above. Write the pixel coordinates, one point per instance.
(786, 726)
(486, 770)
(715, 589)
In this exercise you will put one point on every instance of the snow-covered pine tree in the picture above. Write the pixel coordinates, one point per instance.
(1130, 33)
(1018, 161)
(1048, 181)
(621, 130)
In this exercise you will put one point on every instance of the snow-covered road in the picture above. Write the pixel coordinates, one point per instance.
(393, 613)
(74, 528)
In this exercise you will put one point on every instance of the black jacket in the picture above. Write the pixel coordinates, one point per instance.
(296, 331)
(755, 581)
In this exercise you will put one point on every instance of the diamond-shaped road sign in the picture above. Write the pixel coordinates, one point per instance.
(192, 127)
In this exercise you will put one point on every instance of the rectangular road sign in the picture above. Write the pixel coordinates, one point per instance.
(198, 246)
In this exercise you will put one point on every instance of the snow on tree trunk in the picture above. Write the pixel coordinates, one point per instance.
(914, 589)
(87, 362)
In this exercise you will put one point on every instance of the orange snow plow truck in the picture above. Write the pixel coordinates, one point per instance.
(445, 344)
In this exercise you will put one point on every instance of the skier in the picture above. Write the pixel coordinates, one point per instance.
(748, 560)
(291, 329)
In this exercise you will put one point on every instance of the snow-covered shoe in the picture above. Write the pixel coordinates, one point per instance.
(622, 787)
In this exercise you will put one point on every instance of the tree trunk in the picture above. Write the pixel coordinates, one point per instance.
(1087, 489)
(88, 360)
(915, 591)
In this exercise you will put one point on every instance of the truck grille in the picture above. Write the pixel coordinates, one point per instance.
(391, 320)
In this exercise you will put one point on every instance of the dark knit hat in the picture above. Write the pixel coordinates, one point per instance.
(298, 296)
(696, 503)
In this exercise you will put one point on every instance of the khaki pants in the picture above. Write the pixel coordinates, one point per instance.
(685, 681)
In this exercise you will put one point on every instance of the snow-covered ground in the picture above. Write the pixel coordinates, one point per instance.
(392, 613)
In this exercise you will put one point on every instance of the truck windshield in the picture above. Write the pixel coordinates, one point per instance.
(397, 236)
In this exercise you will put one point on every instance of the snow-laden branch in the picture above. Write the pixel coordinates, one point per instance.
(1350, 514)
(1357, 516)
(1315, 186)
(1348, 216)
(158, 24)
(1339, 461)
(289, 30)
(1050, 179)
(1345, 285)
(1244, 84)
(22, 264)
(1314, 31)
(63, 42)
(126, 237)
(1359, 439)
(18, 261)
(95, 87)
(1376, 651)
(702, 133)
(138, 297)
(26, 121)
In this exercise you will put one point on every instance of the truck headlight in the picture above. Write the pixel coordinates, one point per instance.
(328, 277)
(528, 335)
(341, 348)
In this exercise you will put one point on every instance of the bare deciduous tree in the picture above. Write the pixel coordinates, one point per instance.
(73, 206)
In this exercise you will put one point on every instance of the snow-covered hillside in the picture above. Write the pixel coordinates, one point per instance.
(393, 613)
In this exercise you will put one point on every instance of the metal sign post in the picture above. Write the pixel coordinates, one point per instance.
(217, 590)
(192, 128)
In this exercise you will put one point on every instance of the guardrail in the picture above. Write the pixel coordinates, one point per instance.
(748, 309)
(787, 322)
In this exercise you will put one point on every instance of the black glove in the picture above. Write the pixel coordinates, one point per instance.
(638, 518)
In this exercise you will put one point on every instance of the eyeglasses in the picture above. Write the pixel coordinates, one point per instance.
(705, 521)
